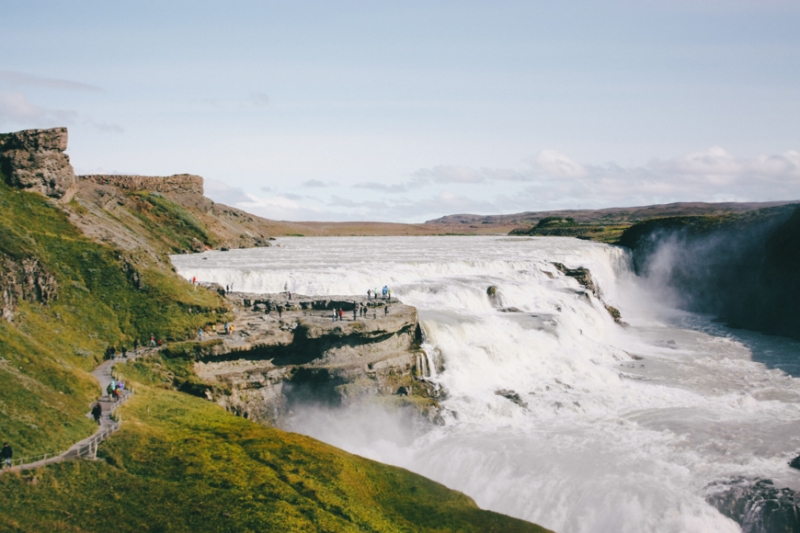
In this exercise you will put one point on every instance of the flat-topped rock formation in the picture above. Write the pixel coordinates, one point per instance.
(35, 160)
(282, 352)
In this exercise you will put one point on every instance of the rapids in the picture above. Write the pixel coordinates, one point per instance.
(626, 429)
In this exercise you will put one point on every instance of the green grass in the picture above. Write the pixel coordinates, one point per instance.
(48, 349)
(170, 222)
(182, 464)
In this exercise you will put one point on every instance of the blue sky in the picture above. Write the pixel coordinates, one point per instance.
(410, 110)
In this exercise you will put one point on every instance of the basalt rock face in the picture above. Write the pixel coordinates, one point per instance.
(24, 279)
(35, 160)
(284, 352)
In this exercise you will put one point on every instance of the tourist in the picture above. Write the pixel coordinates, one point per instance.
(290, 294)
(280, 311)
(7, 453)
(152, 339)
(124, 352)
(369, 294)
(97, 412)
(375, 293)
(135, 344)
(341, 315)
(200, 334)
(231, 329)
(385, 291)
(226, 329)
(334, 315)
(389, 292)
(355, 312)
(110, 389)
(386, 311)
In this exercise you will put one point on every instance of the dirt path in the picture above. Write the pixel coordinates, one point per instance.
(88, 446)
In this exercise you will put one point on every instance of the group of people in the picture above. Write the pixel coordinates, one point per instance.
(386, 292)
(115, 390)
(359, 310)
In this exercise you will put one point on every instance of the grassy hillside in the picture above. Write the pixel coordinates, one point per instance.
(182, 464)
(101, 300)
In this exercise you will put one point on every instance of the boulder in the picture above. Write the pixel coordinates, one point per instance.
(795, 463)
(491, 291)
(35, 160)
(513, 396)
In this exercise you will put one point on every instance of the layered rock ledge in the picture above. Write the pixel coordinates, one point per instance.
(284, 352)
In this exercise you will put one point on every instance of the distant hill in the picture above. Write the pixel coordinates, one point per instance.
(605, 225)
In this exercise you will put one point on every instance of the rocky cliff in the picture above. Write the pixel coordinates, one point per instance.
(744, 268)
(35, 160)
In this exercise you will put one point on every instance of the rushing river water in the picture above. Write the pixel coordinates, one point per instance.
(625, 430)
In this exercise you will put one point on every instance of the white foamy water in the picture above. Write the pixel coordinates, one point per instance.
(625, 428)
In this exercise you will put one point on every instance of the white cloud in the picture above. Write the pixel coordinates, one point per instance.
(557, 164)
(224, 194)
(451, 174)
(21, 79)
(17, 109)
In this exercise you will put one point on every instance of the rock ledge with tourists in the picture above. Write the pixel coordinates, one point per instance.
(280, 352)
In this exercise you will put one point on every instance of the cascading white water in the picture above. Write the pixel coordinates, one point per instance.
(624, 428)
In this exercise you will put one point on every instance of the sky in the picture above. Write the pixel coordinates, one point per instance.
(407, 111)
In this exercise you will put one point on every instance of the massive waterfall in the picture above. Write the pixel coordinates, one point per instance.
(618, 429)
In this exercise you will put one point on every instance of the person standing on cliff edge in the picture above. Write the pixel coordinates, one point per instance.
(7, 453)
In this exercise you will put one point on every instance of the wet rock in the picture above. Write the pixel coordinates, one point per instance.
(491, 291)
(795, 463)
(403, 391)
(513, 396)
(757, 505)
(510, 310)
(582, 275)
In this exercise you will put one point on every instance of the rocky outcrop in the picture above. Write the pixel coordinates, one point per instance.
(285, 352)
(757, 505)
(35, 160)
(24, 279)
(179, 183)
(584, 277)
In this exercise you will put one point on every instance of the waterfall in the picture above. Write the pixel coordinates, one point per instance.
(556, 414)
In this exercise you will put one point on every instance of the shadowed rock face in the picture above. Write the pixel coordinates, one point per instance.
(745, 269)
(24, 279)
(35, 160)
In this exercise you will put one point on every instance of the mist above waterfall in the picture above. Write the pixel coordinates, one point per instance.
(554, 413)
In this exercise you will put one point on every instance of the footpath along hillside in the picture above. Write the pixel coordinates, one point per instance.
(108, 425)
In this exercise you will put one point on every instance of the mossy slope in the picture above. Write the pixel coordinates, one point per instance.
(47, 350)
(182, 464)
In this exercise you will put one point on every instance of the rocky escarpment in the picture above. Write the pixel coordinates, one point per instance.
(282, 353)
(24, 279)
(745, 269)
(179, 183)
(35, 160)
